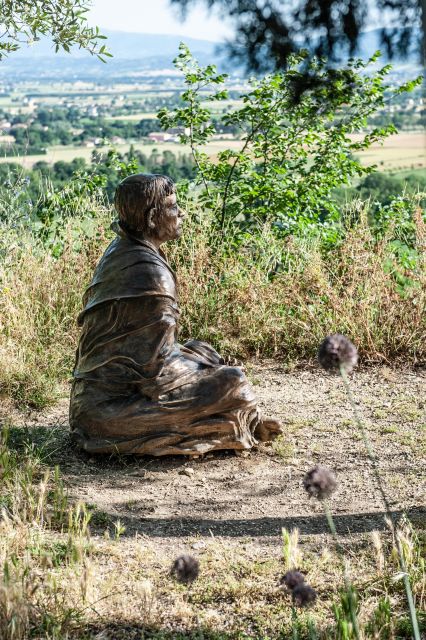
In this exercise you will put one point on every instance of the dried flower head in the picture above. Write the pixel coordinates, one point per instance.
(337, 350)
(320, 482)
(303, 595)
(185, 569)
(291, 579)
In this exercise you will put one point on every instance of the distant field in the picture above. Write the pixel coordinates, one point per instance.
(55, 154)
(216, 106)
(134, 117)
(6, 102)
(401, 153)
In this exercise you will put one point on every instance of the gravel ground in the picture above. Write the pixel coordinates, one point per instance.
(254, 495)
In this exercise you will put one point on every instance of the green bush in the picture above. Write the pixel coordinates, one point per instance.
(295, 147)
(268, 264)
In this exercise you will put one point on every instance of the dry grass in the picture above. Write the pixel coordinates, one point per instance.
(40, 298)
(231, 300)
(58, 581)
(245, 312)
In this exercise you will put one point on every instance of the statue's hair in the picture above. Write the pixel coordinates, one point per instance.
(138, 194)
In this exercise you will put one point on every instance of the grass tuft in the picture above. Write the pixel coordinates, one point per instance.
(272, 298)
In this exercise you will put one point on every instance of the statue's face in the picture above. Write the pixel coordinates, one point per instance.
(170, 219)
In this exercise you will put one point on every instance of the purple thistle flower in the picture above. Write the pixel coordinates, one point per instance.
(337, 350)
(291, 579)
(185, 569)
(320, 482)
(303, 595)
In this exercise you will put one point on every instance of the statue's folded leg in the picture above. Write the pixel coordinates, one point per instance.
(267, 429)
(217, 410)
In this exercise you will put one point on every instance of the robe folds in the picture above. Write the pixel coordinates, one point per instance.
(136, 390)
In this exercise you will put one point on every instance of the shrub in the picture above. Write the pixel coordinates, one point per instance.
(241, 303)
(40, 298)
(275, 297)
(294, 146)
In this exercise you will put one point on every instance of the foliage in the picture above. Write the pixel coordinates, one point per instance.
(25, 21)
(32, 185)
(276, 297)
(293, 152)
(58, 581)
(268, 33)
(381, 189)
(44, 199)
(42, 131)
(45, 220)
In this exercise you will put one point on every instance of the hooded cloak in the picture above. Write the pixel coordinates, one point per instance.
(136, 389)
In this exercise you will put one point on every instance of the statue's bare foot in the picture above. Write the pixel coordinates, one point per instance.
(268, 429)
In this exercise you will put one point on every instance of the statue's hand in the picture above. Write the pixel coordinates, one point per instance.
(203, 352)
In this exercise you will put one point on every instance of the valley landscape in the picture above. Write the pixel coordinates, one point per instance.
(304, 218)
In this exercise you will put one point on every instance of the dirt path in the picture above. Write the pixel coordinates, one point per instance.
(255, 495)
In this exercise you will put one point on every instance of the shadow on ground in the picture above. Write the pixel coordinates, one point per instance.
(263, 527)
(111, 631)
(226, 496)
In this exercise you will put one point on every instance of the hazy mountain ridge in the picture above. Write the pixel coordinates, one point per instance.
(123, 45)
(134, 53)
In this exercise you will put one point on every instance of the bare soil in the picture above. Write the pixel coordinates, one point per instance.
(251, 497)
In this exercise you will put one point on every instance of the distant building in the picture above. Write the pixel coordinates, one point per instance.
(160, 136)
(224, 136)
(6, 140)
(178, 131)
(171, 135)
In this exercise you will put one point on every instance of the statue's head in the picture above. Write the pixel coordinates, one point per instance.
(147, 208)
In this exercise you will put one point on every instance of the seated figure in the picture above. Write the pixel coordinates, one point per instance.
(136, 390)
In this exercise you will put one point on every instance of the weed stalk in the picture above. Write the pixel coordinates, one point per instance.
(347, 580)
(375, 469)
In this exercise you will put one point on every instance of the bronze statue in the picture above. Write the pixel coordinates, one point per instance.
(135, 389)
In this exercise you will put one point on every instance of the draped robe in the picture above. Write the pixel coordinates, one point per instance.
(136, 390)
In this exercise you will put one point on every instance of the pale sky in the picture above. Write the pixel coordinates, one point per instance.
(156, 16)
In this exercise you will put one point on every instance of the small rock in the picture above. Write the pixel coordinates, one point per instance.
(187, 471)
(242, 454)
(138, 473)
(199, 545)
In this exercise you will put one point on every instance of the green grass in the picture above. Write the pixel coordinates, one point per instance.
(226, 299)
(59, 581)
(420, 172)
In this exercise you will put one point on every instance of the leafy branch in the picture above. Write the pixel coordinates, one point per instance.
(194, 118)
(294, 152)
(24, 22)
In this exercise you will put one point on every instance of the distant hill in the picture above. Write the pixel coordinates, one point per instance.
(124, 45)
(135, 53)
(132, 53)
